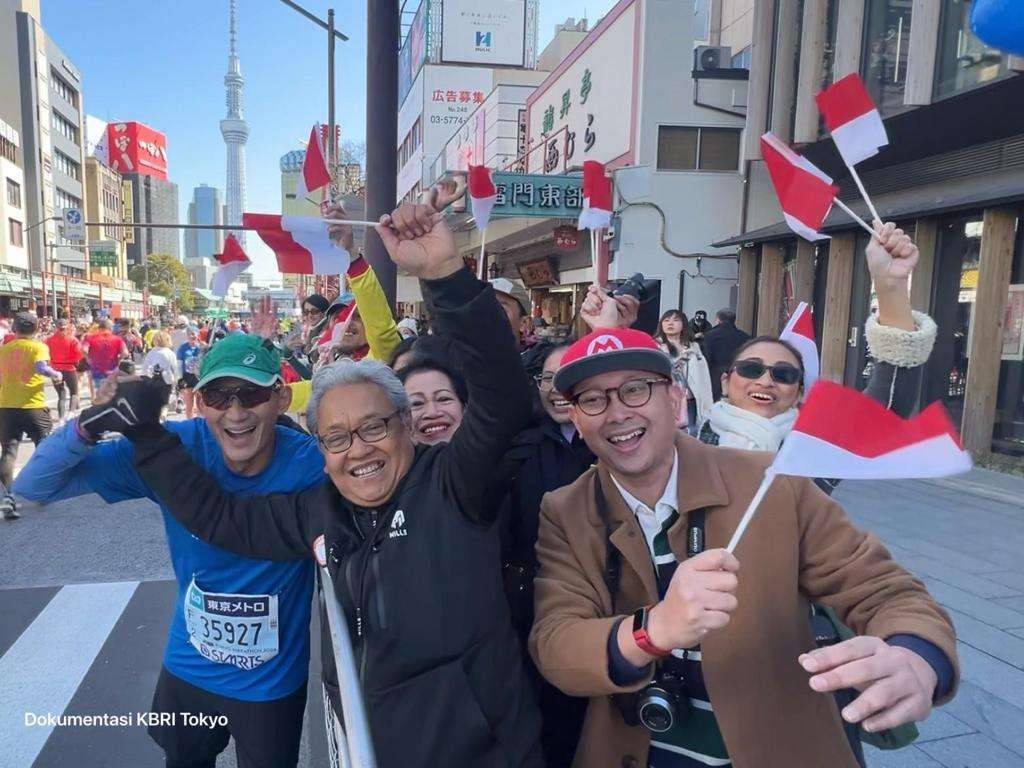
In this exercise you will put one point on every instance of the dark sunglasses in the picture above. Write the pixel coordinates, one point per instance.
(219, 398)
(781, 373)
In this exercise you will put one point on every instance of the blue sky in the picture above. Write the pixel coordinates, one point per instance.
(163, 64)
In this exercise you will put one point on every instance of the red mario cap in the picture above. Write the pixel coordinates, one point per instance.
(610, 349)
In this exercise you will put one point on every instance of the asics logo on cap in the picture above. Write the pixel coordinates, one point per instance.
(604, 343)
(249, 359)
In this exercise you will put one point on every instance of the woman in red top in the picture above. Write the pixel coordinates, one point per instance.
(65, 352)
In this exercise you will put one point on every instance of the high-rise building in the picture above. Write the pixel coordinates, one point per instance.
(103, 202)
(41, 114)
(235, 131)
(153, 200)
(202, 244)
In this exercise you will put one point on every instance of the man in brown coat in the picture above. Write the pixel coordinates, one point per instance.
(633, 587)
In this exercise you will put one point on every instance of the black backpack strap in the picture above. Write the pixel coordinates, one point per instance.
(612, 561)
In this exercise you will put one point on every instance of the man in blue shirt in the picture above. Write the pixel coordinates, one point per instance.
(238, 643)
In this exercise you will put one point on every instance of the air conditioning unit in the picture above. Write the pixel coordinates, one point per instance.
(708, 58)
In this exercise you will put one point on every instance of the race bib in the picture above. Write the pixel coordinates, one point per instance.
(232, 629)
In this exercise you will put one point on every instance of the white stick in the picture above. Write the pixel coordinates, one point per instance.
(863, 193)
(350, 222)
(854, 216)
(480, 260)
(749, 514)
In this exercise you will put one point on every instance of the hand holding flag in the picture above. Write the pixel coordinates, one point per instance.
(892, 254)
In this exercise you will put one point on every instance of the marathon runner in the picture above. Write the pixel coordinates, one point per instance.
(24, 367)
(65, 352)
(104, 351)
(238, 643)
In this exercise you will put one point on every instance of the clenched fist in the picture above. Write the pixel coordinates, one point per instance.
(700, 598)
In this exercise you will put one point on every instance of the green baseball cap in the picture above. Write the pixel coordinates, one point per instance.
(241, 356)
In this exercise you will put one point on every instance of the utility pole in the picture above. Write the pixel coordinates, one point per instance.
(382, 35)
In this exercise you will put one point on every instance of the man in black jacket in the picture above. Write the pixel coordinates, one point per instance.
(408, 530)
(720, 344)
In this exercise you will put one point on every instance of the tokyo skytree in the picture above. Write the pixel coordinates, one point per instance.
(235, 131)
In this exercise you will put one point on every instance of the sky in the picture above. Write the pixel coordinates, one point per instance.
(163, 64)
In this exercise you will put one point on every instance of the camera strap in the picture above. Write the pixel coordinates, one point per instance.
(613, 558)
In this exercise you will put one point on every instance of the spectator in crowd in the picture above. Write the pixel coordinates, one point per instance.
(689, 367)
(720, 344)
(634, 589)
(437, 399)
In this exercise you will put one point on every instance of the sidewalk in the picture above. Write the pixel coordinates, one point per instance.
(964, 538)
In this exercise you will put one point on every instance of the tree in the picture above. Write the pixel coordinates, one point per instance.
(167, 277)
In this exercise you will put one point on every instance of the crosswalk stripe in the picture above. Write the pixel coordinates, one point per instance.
(42, 670)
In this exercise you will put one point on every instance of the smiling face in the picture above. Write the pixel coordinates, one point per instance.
(435, 408)
(354, 337)
(245, 435)
(763, 396)
(367, 473)
(631, 442)
(555, 405)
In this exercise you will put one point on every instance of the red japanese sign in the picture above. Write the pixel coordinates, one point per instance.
(567, 238)
(137, 148)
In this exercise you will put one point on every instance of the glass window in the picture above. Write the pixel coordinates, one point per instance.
(15, 233)
(7, 149)
(963, 61)
(741, 60)
(66, 165)
(63, 89)
(13, 193)
(698, 149)
(884, 57)
(719, 149)
(64, 127)
(677, 148)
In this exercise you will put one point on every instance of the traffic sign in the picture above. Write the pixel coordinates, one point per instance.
(74, 227)
(103, 254)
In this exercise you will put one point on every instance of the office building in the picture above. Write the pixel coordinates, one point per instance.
(201, 244)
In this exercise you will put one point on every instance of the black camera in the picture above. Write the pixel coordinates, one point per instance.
(659, 705)
(634, 286)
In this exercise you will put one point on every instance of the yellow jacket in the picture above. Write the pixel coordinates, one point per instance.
(381, 331)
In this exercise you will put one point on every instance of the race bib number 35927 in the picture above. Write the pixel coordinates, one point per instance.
(232, 629)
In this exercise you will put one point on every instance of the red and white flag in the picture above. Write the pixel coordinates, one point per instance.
(841, 433)
(799, 332)
(315, 173)
(482, 194)
(597, 197)
(232, 262)
(805, 192)
(853, 119)
(300, 243)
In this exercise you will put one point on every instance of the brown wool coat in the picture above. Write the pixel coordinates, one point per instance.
(799, 546)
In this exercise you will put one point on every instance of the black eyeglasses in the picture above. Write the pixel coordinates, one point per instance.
(219, 398)
(545, 381)
(370, 431)
(311, 312)
(781, 373)
(634, 393)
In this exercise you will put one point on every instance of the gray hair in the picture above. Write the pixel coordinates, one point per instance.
(346, 371)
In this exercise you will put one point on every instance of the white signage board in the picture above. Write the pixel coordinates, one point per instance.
(491, 32)
(593, 98)
(73, 224)
(450, 96)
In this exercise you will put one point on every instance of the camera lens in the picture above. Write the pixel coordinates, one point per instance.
(656, 710)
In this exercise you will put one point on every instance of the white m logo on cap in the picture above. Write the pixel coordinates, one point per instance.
(604, 343)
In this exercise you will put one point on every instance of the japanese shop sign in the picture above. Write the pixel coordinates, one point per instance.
(491, 32)
(587, 110)
(537, 195)
(137, 148)
(450, 96)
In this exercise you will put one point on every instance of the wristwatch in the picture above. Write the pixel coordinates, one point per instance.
(640, 635)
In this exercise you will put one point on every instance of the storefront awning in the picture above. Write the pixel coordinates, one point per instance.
(927, 200)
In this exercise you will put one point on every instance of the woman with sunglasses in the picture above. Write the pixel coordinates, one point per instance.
(762, 387)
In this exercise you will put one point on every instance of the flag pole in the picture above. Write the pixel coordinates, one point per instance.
(751, 509)
(480, 260)
(854, 216)
(863, 192)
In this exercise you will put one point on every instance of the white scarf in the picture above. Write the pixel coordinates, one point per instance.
(737, 428)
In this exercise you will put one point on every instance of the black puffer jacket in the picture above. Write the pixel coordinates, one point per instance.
(418, 578)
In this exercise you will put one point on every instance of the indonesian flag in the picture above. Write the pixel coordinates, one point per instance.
(853, 119)
(597, 197)
(805, 193)
(233, 262)
(841, 433)
(300, 243)
(799, 332)
(315, 173)
(482, 194)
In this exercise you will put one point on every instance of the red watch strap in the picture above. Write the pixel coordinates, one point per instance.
(640, 636)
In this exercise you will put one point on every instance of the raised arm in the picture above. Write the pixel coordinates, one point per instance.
(381, 331)
(273, 527)
(466, 314)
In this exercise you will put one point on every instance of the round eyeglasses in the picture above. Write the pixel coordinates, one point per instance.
(634, 393)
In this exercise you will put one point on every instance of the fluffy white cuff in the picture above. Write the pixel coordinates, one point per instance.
(904, 349)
